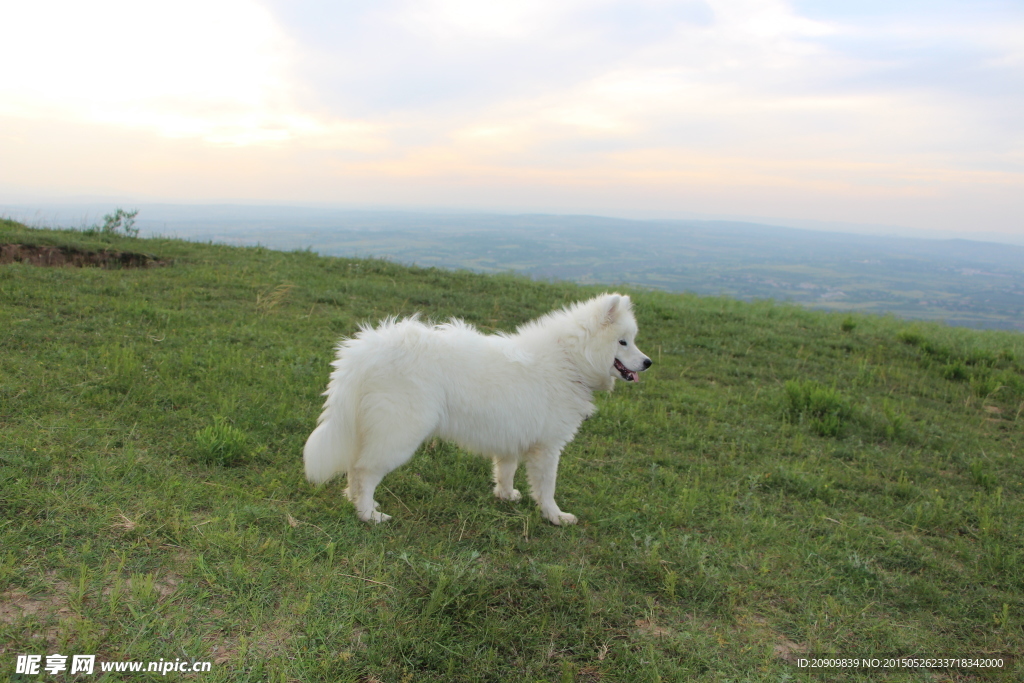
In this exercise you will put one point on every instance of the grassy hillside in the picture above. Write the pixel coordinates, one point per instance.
(783, 483)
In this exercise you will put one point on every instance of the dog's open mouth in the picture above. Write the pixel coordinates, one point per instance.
(626, 373)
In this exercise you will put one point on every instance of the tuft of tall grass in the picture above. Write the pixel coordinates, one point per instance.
(823, 408)
(222, 444)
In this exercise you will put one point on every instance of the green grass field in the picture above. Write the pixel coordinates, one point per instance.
(783, 484)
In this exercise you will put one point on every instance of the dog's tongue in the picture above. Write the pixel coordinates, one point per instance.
(627, 374)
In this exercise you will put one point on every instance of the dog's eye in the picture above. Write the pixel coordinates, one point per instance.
(623, 342)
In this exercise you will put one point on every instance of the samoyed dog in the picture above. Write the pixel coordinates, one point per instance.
(510, 397)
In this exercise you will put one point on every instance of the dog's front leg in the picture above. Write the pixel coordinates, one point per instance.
(504, 473)
(541, 471)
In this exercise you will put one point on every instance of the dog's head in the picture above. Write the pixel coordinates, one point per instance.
(628, 361)
(609, 342)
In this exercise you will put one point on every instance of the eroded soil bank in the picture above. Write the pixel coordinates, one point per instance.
(68, 256)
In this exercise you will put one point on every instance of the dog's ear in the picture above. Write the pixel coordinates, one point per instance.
(612, 306)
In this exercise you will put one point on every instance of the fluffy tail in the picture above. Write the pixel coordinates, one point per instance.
(330, 448)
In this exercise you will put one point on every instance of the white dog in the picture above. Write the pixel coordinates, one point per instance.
(511, 397)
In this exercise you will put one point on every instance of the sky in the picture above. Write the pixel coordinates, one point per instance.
(876, 112)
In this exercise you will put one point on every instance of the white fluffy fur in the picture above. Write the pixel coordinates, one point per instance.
(514, 398)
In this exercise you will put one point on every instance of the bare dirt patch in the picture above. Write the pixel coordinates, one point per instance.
(17, 604)
(649, 628)
(41, 610)
(56, 257)
(783, 648)
(270, 642)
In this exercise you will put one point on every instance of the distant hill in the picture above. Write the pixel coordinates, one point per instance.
(962, 282)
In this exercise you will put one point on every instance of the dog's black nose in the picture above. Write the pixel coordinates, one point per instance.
(647, 363)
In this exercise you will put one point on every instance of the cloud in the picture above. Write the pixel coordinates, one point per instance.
(214, 70)
(750, 74)
(865, 107)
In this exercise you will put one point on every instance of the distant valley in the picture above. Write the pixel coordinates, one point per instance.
(965, 283)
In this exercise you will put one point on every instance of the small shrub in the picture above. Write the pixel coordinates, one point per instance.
(848, 324)
(222, 444)
(955, 371)
(981, 475)
(824, 408)
(893, 422)
(910, 337)
(936, 351)
(985, 384)
(983, 359)
(829, 424)
(1012, 382)
(120, 220)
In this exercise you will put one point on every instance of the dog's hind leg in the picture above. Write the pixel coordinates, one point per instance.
(383, 450)
(504, 473)
(542, 471)
(361, 485)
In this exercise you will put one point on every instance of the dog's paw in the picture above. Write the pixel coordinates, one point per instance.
(512, 495)
(562, 519)
(375, 516)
